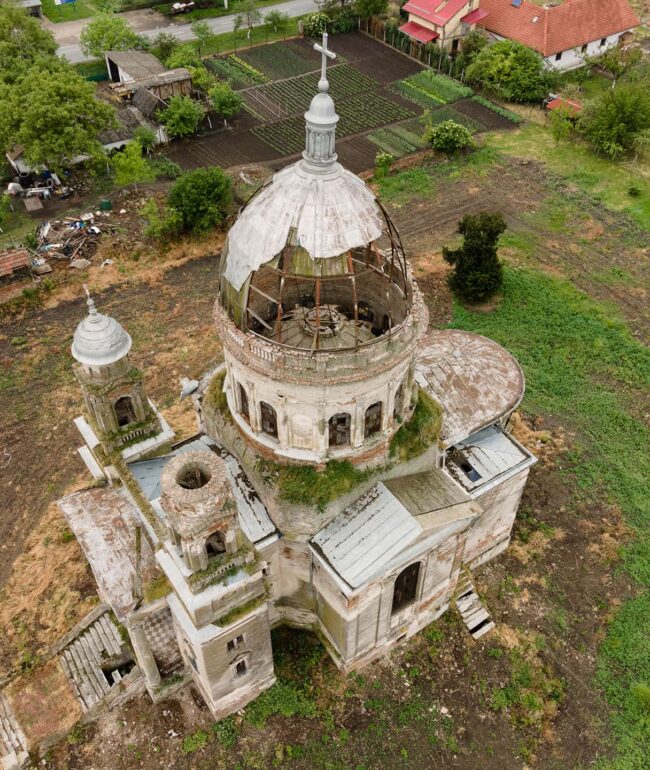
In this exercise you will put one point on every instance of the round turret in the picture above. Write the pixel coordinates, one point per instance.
(99, 340)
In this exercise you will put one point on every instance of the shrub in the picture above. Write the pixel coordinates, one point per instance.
(202, 198)
(383, 162)
(163, 45)
(368, 8)
(511, 70)
(145, 137)
(283, 699)
(162, 222)
(164, 167)
(225, 101)
(316, 24)
(181, 116)
(477, 272)
(448, 137)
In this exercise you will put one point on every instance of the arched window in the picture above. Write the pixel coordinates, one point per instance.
(215, 544)
(124, 411)
(269, 419)
(243, 402)
(399, 398)
(339, 429)
(373, 420)
(405, 587)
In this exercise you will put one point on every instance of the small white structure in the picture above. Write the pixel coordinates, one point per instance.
(564, 34)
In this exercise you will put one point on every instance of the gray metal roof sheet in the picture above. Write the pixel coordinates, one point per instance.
(363, 539)
(137, 64)
(427, 492)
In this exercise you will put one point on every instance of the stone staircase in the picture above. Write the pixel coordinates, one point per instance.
(96, 661)
(474, 615)
(13, 747)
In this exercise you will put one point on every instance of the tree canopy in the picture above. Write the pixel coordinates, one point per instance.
(613, 121)
(181, 117)
(129, 167)
(54, 115)
(23, 42)
(109, 32)
(202, 198)
(510, 70)
(225, 101)
(368, 8)
(477, 272)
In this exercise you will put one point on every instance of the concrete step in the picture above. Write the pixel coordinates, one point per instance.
(475, 617)
(13, 745)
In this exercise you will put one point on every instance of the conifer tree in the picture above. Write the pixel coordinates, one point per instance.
(477, 272)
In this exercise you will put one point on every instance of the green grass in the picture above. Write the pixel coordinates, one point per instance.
(81, 9)
(238, 41)
(607, 181)
(405, 185)
(584, 368)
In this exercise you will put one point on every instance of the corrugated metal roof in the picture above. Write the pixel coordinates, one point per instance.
(486, 455)
(362, 540)
(137, 64)
(473, 378)
(418, 32)
(253, 517)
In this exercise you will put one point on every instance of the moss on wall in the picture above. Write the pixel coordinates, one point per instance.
(417, 435)
(215, 396)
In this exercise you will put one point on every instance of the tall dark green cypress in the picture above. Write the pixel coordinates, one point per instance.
(477, 272)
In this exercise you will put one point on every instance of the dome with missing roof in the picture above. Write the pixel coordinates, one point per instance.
(99, 340)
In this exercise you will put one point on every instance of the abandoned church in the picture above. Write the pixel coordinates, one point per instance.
(350, 466)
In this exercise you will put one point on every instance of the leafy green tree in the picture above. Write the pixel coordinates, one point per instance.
(277, 20)
(202, 78)
(108, 32)
(368, 8)
(181, 117)
(617, 60)
(613, 121)
(472, 44)
(561, 123)
(511, 71)
(129, 167)
(23, 43)
(184, 55)
(203, 33)
(249, 15)
(54, 115)
(316, 23)
(477, 272)
(225, 101)
(145, 137)
(164, 45)
(202, 198)
(448, 137)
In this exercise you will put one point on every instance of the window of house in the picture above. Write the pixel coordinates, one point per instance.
(124, 411)
(233, 644)
(215, 544)
(373, 419)
(243, 402)
(584, 48)
(240, 668)
(603, 41)
(339, 429)
(558, 56)
(406, 586)
(269, 419)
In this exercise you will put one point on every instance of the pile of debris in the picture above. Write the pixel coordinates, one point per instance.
(72, 238)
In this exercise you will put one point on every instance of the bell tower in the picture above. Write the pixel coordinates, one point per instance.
(112, 387)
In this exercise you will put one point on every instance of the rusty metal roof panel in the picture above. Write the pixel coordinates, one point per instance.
(473, 378)
(326, 214)
(360, 542)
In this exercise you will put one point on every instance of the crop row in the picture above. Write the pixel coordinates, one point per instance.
(279, 61)
(296, 94)
(396, 140)
(449, 113)
(238, 73)
(428, 88)
(361, 112)
(511, 116)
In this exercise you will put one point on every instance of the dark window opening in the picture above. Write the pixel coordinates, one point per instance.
(373, 419)
(243, 402)
(603, 41)
(405, 587)
(364, 312)
(471, 472)
(339, 429)
(233, 644)
(399, 396)
(454, 45)
(114, 673)
(215, 544)
(269, 419)
(240, 668)
(584, 48)
(558, 56)
(124, 411)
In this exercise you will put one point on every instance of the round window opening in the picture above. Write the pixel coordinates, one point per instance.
(193, 476)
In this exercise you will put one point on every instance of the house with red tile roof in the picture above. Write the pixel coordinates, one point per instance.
(441, 21)
(564, 34)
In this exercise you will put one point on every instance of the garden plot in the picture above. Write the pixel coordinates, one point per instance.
(280, 60)
(398, 140)
(429, 89)
(357, 114)
(237, 72)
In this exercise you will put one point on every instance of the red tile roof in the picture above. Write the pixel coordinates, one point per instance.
(473, 16)
(435, 11)
(13, 259)
(573, 108)
(557, 29)
(422, 34)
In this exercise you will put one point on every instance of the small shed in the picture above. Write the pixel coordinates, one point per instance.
(14, 263)
(33, 7)
(132, 70)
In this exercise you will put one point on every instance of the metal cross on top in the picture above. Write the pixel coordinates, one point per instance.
(323, 85)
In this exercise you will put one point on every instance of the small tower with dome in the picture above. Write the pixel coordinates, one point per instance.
(113, 390)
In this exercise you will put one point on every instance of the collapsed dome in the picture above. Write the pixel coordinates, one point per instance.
(314, 262)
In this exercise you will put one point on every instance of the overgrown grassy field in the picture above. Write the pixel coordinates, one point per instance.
(80, 9)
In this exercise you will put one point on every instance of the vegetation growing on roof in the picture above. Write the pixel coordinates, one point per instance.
(421, 431)
(215, 396)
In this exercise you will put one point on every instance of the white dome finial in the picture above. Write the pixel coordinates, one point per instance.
(92, 310)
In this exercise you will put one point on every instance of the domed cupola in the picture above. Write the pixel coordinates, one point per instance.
(99, 340)
(315, 294)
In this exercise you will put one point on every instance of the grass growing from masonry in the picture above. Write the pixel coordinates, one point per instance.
(583, 367)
